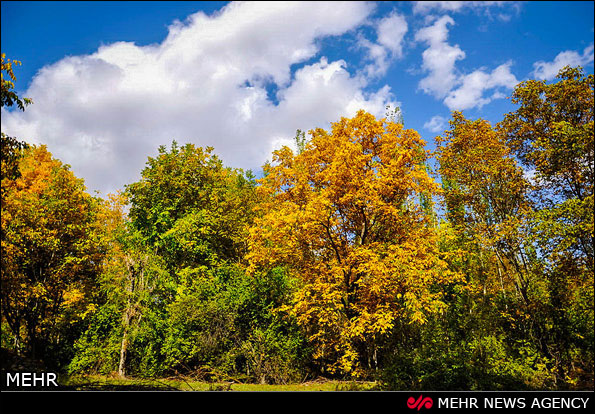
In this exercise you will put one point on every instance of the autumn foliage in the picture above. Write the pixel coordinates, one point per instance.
(348, 258)
(345, 217)
(52, 246)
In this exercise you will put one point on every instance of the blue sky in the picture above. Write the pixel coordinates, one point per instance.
(112, 81)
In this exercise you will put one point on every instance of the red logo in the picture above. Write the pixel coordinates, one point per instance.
(420, 403)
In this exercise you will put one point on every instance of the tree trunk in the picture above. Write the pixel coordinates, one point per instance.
(124, 347)
(132, 275)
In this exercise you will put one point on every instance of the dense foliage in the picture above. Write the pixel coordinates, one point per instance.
(348, 259)
(344, 216)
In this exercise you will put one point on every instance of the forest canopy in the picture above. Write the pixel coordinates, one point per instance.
(350, 258)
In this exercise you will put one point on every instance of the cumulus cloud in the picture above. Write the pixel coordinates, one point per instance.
(377, 55)
(436, 124)
(549, 70)
(210, 82)
(439, 58)
(473, 86)
(390, 32)
(458, 91)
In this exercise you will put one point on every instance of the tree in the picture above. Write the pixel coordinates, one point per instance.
(11, 148)
(344, 216)
(551, 133)
(11, 151)
(132, 289)
(9, 97)
(174, 294)
(488, 208)
(52, 247)
(192, 213)
(132, 276)
(192, 209)
(519, 200)
(486, 197)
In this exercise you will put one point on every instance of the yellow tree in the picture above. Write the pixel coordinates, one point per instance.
(344, 216)
(51, 250)
(486, 197)
(8, 96)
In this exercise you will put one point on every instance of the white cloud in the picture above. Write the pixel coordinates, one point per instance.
(436, 124)
(390, 33)
(473, 86)
(549, 70)
(454, 6)
(439, 58)
(531, 176)
(458, 91)
(379, 57)
(320, 92)
(502, 11)
(206, 83)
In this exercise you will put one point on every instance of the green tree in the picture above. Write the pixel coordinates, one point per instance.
(486, 197)
(551, 132)
(175, 298)
(11, 148)
(191, 208)
(519, 202)
(132, 289)
(486, 238)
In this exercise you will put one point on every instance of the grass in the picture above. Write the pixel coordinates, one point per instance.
(106, 383)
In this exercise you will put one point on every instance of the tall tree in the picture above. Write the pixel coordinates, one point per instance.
(11, 148)
(486, 196)
(344, 215)
(551, 132)
(52, 246)
(488, 208)
(131, 288)
(191, 208)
